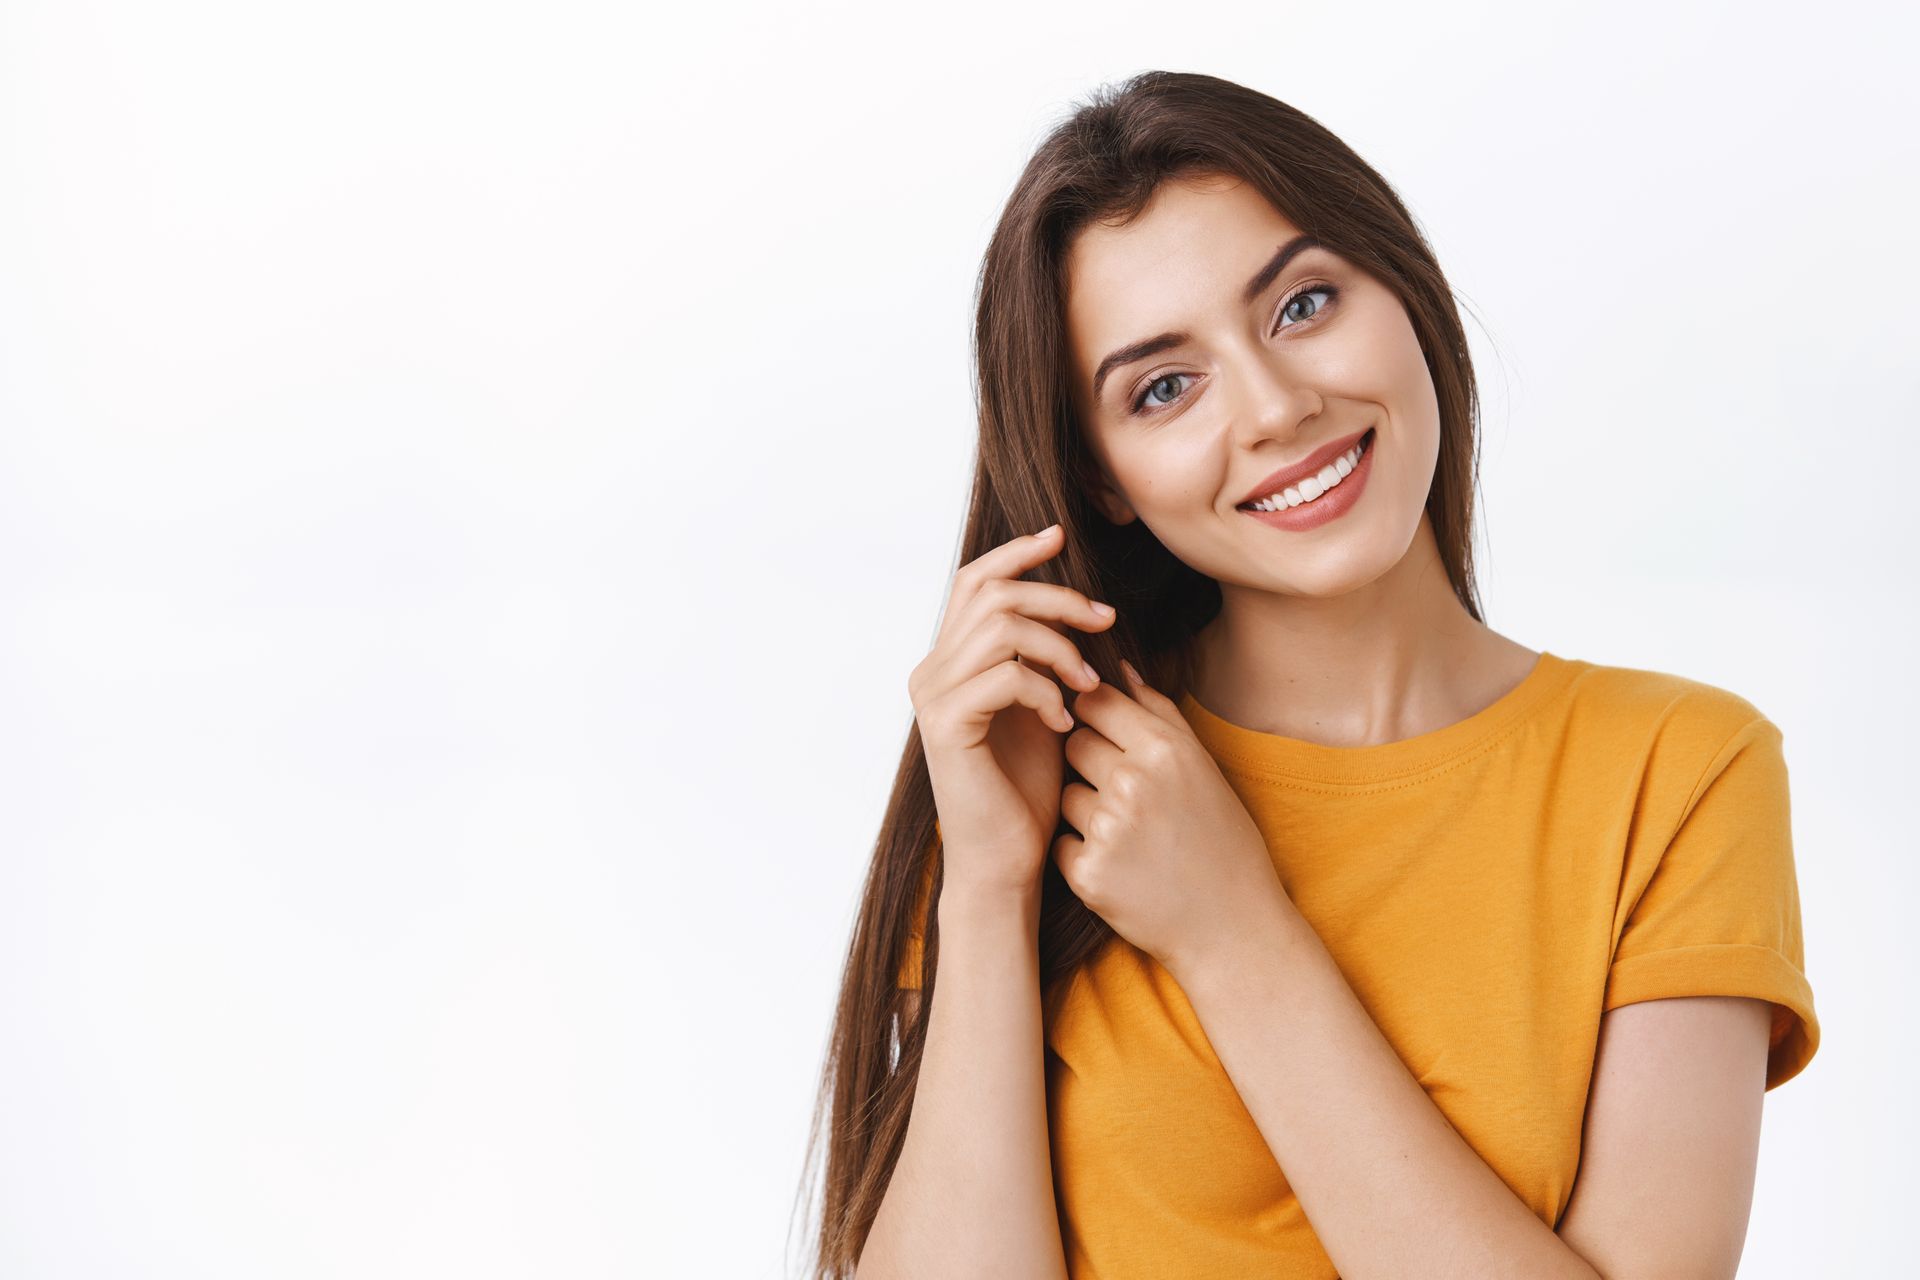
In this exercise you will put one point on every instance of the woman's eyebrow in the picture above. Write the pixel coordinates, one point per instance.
(1254, 288)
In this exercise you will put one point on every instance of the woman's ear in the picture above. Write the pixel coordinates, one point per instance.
(1112, 505)
(1106, 496)
(1101, 489)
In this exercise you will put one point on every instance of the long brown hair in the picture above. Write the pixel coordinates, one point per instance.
(1033, 467)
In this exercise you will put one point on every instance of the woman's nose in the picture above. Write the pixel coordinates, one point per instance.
(1269, 402)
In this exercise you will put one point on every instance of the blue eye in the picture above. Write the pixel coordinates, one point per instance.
(1142, 399)
(1138, 407)
(1327, 289)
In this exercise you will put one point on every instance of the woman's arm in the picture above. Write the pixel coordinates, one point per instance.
(1391, 1188)
(972, 1192)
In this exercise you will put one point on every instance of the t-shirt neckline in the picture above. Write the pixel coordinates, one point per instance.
(1279, 757)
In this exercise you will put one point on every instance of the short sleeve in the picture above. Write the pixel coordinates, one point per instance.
(909, 973)
(1720, 914)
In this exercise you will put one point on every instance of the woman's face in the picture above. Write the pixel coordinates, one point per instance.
(1250, 383)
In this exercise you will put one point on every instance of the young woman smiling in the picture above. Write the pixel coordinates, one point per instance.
(1357, 938)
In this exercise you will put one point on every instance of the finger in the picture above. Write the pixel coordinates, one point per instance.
(964, 713)
(1012, 683)
(1077, 804)
(1008, 635)
(1008, 560)
(1068, 851)
(1125, 722)
(1058, 606)
(1149, 697)
(1092, 754)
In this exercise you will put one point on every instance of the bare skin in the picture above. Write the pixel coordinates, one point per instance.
(972, 1193)
(1346, 635)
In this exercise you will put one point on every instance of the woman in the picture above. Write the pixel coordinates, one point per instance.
(1356, 937)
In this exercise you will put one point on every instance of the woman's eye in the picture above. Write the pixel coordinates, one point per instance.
(1299, 308)
(1140, 401)
(1311, 311)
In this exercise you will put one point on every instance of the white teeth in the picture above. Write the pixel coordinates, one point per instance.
(1315, 485)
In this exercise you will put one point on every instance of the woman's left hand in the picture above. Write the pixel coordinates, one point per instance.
(1166, 853)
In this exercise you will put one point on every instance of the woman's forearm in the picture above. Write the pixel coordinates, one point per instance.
(972, 1192)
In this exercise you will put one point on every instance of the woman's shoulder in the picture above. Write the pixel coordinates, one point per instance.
(1638, 699)
(1665, 739)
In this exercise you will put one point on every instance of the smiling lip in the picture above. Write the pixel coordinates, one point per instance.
(1329, 506)
(1293, 475)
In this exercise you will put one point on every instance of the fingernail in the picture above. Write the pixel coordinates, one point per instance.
(1047, 532)
(1091, 673)
(1131, 673)
(1103, 609)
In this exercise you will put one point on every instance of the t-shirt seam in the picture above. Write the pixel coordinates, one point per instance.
(1707, 770)
(1767, 947)
(1686, 811)
(1700, 785)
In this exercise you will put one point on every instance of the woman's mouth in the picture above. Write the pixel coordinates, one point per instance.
(1319, 498)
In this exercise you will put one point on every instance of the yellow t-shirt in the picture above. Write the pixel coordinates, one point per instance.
(1597, 836)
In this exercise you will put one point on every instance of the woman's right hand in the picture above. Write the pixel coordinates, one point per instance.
(991, 722)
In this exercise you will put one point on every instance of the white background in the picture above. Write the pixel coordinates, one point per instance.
(474, 480)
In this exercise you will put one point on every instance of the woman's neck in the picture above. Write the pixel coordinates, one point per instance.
(1392, 660)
